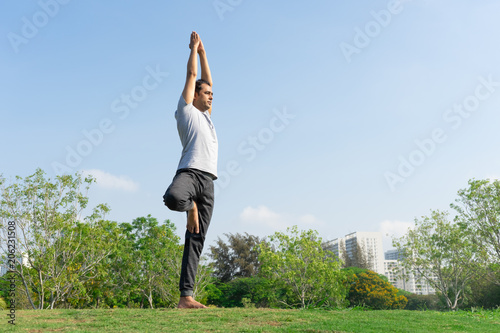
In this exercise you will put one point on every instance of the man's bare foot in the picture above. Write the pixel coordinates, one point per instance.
(193, 226)
(188, 302)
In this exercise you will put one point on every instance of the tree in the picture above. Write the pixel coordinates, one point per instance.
(479, 211)
(443, 253)
(107, 286)
(298, 262)
(64, 259)
(357, 258)
(85, 255)
(256, 290)
(484, 294)
(147, 264)
(368, 288)
(152, 266)
(238, 258)
(56, 250)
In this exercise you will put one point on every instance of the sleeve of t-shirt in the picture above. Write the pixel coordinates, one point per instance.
(181, 112)
(182, 103)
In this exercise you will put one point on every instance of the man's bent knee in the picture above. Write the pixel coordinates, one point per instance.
(174, 202)
(170, 200)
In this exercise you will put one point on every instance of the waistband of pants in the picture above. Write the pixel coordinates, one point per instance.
(204, 173)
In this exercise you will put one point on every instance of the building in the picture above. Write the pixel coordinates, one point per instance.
(393, 255)
(388, 263)
(369, 242)
(400, 278)
(391, 272)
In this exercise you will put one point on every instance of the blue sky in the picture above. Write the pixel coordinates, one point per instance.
(335, 116)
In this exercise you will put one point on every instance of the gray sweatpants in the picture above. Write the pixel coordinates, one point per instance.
(188, 186)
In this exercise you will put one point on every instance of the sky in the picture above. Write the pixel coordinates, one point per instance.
(338, 116)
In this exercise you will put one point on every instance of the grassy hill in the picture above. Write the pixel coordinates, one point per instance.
(250, 320)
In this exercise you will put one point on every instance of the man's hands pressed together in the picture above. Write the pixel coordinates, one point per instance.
(195, 41)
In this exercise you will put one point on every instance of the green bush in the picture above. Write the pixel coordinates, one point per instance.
(424, 302)
(367, 288)
(484, 294)
(241, 292)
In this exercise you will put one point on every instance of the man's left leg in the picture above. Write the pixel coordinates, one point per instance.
(194, 242)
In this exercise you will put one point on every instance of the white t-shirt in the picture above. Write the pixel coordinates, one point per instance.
(198, 138)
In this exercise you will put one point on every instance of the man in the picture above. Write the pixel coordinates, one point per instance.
(192, 189)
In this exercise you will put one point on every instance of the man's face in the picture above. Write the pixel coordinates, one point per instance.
(203, 99)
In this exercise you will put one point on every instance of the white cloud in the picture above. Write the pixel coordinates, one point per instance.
(396, 228)
(390, 229)
(109, 181)
(262, 216)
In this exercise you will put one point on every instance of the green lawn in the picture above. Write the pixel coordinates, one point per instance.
(250, 320)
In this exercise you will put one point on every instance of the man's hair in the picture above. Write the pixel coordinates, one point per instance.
(198, 85)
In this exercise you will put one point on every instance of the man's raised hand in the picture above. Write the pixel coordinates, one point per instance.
(200, 47)
(195, 41)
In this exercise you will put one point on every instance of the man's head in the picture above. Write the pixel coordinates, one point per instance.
(203, 95)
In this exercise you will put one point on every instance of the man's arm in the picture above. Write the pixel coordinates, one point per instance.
(192, 69)
(205, 69)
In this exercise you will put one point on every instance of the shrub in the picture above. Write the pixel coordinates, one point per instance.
(296, 262)
(241, 292)
(367, 288)
(484, 294)
(424, 302)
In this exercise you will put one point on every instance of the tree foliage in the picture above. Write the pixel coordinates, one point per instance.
(483, 294)
(255, 290)
(367, 288)
(236, 258)
(66, 260)
(424, 302)
(479, 212)
(441, 252)
(296, 261)
(357, 258)
(153, 260)
(146, 266)
(56, 251)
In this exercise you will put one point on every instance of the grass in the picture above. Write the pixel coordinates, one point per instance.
(250, 320)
